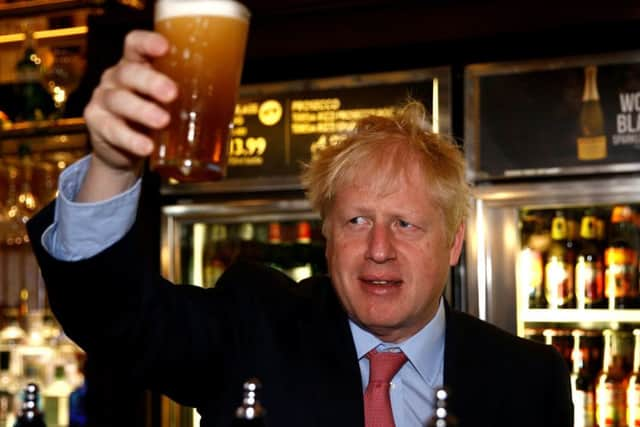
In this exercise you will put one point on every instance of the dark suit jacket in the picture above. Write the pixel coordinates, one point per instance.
(199, 345)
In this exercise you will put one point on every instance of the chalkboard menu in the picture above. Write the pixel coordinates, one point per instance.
(280, 126)
(578, 115)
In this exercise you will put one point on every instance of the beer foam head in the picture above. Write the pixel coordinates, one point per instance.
(166, 9)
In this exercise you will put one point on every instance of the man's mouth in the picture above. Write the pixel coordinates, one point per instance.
(378, 282)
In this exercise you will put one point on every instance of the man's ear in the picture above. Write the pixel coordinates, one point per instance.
(456, 246)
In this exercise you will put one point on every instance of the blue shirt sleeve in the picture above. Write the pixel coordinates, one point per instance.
(81, 230)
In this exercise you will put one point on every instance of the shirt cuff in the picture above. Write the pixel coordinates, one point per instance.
(82, 230)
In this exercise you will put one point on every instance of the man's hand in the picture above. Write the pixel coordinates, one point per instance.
(127, 103)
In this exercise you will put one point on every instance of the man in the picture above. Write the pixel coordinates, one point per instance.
(393, 200)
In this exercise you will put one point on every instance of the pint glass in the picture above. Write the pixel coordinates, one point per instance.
(207, 44)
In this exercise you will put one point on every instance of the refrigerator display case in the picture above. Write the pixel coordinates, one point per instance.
(259, 212)
(552, 239)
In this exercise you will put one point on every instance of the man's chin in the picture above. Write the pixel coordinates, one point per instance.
(386, 329)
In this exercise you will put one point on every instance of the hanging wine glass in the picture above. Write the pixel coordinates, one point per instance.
(21, 201)
(4, 185)
(44, 181)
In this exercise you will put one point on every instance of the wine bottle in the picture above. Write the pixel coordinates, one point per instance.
(592, 142)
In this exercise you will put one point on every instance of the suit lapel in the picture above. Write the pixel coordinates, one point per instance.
(472, 394)
(335, 363)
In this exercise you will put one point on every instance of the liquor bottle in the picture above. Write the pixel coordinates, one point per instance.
(276, 256)
(250, 413)
(601, 233)
(35, 101)
(442, 417)
(573, 232)
(530, 265)
(558, 269)
(215, 255)
(561, 340)
(621, 260)
(582, 387)
(8, 389)
(30, 414)
(633, 388)
(592, 142)
(300, 262)
(56, 399)
(247, 247)
(589, 268)
(611, 387)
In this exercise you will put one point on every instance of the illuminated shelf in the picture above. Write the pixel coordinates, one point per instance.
(43, 127)
(40, 7)
(580, 316)
(47, 135)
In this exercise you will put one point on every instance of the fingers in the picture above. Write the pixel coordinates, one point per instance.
(130, 93)
(143, 79)
(111, 135)
(140, 45)
(126, 104)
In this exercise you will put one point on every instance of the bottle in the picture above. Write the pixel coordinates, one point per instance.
(30, 413)
(611, 387)
(621, 260)
(300, 262)
(592, 142)
(582, 387)
(250, 413)
(35, 101)
(530, 265)
(589, 269)
(573, 232)
(558, 270)
(633, 388)
(214, 255)
(8, 389)
(275, 256)
(442, 417)
(250, 248)
(56, 399)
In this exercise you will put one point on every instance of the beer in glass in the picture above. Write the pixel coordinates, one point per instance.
(207, 44)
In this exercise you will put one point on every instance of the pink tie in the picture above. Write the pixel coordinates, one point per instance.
(377, 405)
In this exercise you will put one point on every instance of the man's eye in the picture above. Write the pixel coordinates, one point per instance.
(357, 220)
(404, 224)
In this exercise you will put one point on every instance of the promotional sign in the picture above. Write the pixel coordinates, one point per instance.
(277, 130)
(560, 117)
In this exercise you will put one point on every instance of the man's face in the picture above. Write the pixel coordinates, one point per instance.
(389, 255)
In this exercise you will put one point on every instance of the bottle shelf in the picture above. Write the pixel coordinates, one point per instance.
(40, 7)
(46, 135)
(573, 315)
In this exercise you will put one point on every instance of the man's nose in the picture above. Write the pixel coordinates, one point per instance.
(381, 246)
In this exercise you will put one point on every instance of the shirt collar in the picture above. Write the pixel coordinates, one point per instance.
(424, 350)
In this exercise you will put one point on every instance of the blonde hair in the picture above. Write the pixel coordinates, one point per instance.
(384, 147)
